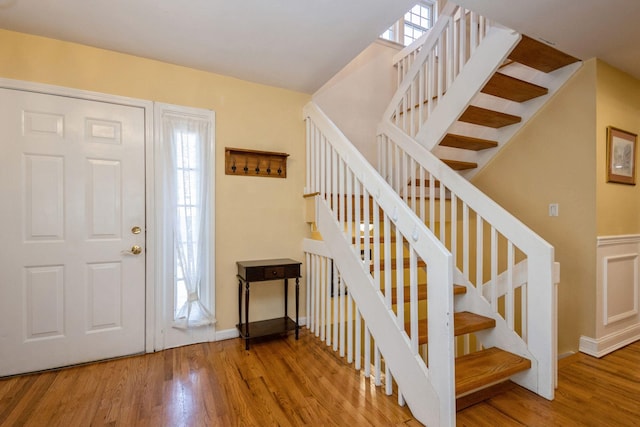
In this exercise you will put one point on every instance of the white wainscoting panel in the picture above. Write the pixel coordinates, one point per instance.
(619, 287)
(617, 295)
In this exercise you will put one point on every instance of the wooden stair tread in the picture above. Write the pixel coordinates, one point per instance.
(489, 366)
(463, 323)
(540, 56)
(490, 118)
(467, 142)
(460, 165)
(513, 89)
(422, 292)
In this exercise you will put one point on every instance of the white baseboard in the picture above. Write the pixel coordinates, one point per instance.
(228, 334)
(599, 347)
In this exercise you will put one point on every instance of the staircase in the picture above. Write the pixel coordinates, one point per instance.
(486, 314)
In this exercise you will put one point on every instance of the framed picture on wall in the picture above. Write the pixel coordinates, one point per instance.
(621, 156)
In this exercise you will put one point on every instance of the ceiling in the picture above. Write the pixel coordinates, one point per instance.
(294, 44)
(300, 44)
(609, 30)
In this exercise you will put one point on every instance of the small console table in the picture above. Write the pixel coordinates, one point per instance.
(260, 271)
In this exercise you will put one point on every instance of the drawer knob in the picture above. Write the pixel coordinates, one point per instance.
(275, 273)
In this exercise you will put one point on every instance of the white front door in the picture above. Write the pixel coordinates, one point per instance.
(72, 207)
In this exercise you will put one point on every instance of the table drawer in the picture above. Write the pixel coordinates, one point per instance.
(274, 273)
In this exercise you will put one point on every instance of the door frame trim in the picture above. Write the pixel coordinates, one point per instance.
(149, 154)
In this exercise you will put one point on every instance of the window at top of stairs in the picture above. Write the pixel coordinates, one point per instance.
(413, 24)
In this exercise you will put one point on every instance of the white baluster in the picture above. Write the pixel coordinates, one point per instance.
(342, 316)
(413, 298)
(329, 282)
(465, 240)
(336, 310)
(399, 279)
(479, 252)
(349, 327)
(367, 351)
(423, 215)
(349, 197)
(358, 340)
(509, 309)
(377, 366)
(494, 269)
(443, 208)
(387, 261)
(432, 204)
(454, 228)
(388, 380)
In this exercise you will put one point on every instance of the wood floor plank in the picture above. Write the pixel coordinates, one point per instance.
(484, 415)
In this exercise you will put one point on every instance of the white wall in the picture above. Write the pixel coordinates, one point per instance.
(356, 97)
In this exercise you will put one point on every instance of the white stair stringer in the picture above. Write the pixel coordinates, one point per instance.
(408, 370)
(489, 55)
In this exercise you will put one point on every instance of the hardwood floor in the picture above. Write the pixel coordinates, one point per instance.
(276, 383)
(293, 383)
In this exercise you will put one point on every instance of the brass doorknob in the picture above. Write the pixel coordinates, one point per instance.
(136, 250)
(136, 230)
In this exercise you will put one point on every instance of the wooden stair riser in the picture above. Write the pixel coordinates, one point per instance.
(507, 87)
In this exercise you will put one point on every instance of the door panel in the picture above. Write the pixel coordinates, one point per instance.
(72, 188)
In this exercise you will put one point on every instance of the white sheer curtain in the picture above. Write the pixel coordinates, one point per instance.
(187, 150)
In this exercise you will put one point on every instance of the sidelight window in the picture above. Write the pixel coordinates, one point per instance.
(188, 217)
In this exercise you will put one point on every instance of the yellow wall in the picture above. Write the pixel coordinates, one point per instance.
(256, 218)
(618, 105)
(552, 160)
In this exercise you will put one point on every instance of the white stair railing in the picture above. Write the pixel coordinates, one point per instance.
(427, 68)
(487, 243)
(350, 191)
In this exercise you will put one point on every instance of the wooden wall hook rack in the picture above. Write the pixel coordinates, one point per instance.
(244, 162)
